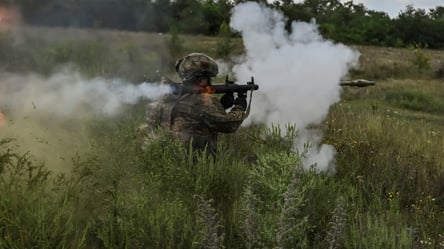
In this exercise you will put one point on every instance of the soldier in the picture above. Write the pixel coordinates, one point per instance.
(196, 119)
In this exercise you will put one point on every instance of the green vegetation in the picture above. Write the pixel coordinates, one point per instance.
(347, 22)
(387, 191)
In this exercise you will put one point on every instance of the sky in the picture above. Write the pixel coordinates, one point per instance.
(393, 7)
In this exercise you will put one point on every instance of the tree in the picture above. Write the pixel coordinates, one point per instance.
(215, 14)
(437, 14)
(413, 26)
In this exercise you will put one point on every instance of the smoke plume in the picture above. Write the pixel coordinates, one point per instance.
(67, 94)
(298, 74)
(46, 115)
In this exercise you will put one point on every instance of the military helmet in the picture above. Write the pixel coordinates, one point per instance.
(196, 65)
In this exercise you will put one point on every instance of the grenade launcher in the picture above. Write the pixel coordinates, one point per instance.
(228, 87)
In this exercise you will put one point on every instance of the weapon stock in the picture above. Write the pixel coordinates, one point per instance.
(357, 83)
(228, 87)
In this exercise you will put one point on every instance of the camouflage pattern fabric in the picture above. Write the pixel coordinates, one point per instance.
(198, 118)
(158, 116)
(195, 119)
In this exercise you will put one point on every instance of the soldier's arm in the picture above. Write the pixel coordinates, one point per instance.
(217, 119)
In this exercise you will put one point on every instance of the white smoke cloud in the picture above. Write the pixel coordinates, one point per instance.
(298, 73)
(46, 115)
(66, 93)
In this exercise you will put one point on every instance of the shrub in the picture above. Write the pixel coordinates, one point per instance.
(420, 60)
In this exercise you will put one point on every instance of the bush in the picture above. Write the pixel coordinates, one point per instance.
(420, 60)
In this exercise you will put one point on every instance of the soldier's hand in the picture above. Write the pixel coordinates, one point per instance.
(241, 101)
(227, 100)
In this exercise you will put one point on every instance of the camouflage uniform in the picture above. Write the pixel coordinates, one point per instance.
(195, 119)
(158, 118)
(198, 118)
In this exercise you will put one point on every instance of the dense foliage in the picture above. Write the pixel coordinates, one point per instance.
(343, 22)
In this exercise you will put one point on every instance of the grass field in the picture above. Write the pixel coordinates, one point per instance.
(387, 192)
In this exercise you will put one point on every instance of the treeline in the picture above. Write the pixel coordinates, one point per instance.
(343, 22)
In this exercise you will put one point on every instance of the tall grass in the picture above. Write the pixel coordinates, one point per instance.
(390, 153)
(35, 210)
(122, 197)
(387, 191)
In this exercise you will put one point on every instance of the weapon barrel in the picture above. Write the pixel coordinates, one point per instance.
(226, 88)
(213, 89)
(357, 83)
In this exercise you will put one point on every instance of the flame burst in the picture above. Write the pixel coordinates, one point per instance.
(209, 90)
(8, 16)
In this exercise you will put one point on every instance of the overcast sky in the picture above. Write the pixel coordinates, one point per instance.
(393, 7)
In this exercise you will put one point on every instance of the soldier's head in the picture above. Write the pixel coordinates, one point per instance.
(195, 68)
